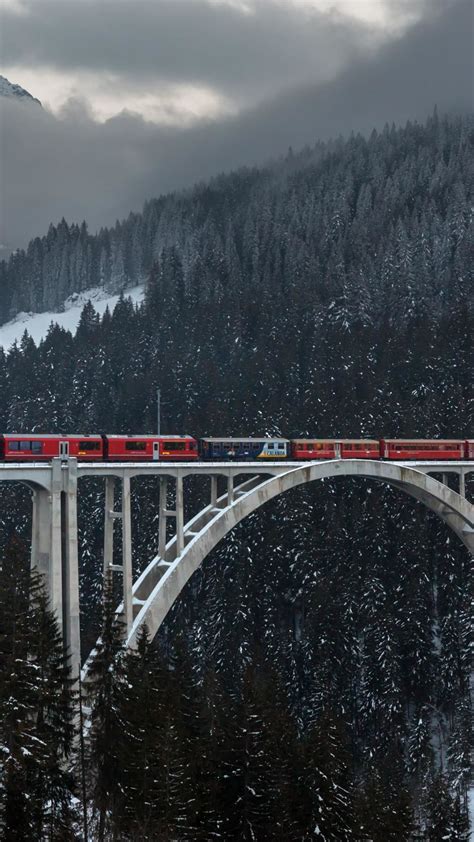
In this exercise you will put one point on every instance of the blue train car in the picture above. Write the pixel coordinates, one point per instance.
(240, 449)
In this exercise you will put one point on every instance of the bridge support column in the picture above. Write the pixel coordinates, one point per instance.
(179, 515)
(214, 479)
(462, 483)
(41, 534)
(109, 517)
(72, 626)
(127, 554)
(54, 552)
(56, 570)
(230, 490)
(162, 517)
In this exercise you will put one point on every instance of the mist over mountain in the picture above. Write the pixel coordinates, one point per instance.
(71, 166)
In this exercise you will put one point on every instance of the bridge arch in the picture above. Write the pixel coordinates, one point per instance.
(163, 579)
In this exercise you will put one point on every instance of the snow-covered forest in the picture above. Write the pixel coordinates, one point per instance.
(313, 681)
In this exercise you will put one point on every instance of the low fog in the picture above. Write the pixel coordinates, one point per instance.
(73, 166)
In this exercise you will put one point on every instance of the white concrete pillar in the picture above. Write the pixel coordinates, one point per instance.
(230, 490)
(72, 630)
(462, 483)
(41, 534)
(179, 515)
(127, 554)
(162, 517)
(445, 479)
(56, 583)
(109, 523)
(214, 491)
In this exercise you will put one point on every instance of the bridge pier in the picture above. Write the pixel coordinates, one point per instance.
(162, 517)
(179, 515)
(54, 552)
(71, 607)
(214, 479)
(109, 518)
(41, 538)
(109, 566)
(127, 554)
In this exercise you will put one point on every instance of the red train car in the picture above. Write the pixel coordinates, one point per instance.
(151, 448)
(313, 449)
(469, 453)
(436, 449)
(42, 447)
(360, 449)
(335, 449)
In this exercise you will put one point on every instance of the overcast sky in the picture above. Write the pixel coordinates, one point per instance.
(142, 96)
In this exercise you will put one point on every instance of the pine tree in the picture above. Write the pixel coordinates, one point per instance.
(36, 711)
(105, 684)
(326, 780)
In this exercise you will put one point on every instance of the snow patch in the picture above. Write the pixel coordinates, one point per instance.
(38, 324)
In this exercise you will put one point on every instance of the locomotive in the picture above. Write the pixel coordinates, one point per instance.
(39, 447)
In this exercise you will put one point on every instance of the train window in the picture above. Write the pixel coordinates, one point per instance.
(135, 445)
(14, 445)
(174, 445)
(37, 446)
(25, 445)
(89, 445)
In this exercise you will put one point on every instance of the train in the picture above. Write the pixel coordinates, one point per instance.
(38, 447)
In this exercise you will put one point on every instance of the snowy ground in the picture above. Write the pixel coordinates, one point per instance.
(37, 324)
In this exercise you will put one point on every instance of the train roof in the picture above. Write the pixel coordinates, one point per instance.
(150, 436)
(424, 441)
(338, 441)
(234, 439)
(23, 436)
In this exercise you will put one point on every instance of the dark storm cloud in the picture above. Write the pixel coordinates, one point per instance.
(271, 46)
(80, 169)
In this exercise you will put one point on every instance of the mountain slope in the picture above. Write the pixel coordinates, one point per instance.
(329, 295)
(323, 206)
(12, 91)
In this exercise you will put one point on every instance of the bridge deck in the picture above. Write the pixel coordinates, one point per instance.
(204, 466)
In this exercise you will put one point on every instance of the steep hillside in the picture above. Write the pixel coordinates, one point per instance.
(345, 208)
(330, 294)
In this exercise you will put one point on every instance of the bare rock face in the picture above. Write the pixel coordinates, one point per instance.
(8, 89)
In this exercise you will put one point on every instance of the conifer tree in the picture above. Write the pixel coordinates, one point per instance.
(36, 710)
(104, 690)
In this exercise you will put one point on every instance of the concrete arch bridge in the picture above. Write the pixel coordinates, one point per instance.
(147, 600)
